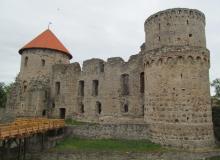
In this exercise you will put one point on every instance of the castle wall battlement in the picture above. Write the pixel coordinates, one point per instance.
(175, 27)
(176, 12)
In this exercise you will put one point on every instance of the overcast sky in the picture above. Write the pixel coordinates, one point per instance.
(92, 28)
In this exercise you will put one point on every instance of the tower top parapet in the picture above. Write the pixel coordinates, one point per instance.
(175, 27)
(175, 12)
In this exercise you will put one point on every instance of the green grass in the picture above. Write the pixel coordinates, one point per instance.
(214, 158)
(74, 122)
(77, 144)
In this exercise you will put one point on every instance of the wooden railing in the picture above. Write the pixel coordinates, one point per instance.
(24, 127)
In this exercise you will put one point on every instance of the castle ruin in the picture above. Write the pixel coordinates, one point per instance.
(165, 85)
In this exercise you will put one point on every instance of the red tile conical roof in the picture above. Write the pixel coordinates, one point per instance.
(46, 40)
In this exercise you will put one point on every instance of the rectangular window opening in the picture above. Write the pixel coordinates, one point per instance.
(125, 84)
(142, 82)
(81, 88)
(95, 86)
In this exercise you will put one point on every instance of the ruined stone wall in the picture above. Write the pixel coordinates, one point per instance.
(31, 101)
(66, 98)
(107, 105)
(177, 93)
(178, 27)
(110, 97)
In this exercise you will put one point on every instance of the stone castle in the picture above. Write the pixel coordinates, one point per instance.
(165, 85)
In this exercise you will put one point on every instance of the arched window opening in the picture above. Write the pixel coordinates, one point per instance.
(142, 82)
(125, 84)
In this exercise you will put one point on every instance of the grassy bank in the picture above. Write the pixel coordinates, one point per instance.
(77, 144)
(74, 122)
(214, 158)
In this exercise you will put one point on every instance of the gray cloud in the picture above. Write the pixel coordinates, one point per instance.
(91, 28)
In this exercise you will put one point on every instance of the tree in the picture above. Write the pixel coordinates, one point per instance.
(8, 88)
(4, 91)
(216, 84)
(3, 95)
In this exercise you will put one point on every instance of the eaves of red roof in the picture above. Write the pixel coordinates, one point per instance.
(46, 40)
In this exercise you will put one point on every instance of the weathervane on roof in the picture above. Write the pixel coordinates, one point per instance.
(49, 25)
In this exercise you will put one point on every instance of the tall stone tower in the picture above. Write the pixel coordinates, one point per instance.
(31, 90)
(177, 93)
(39, 55)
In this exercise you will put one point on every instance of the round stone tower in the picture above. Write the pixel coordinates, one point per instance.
(32, 88)
(177, 93)
(39, 55)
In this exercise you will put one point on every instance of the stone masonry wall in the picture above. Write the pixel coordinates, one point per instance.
(67, 76)
(115, 131)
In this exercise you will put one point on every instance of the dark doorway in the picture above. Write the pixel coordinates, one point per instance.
(62, 113)
(44, 113)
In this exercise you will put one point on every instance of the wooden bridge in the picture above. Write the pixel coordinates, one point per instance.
(21, 130)
(25, 127)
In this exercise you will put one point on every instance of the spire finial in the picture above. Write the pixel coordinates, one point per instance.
(49, 25)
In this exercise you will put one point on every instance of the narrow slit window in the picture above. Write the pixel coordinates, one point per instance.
(43, 62)
(99, 107)
(57, 87)
(26, 61)
(142, 82)
(25, 86)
